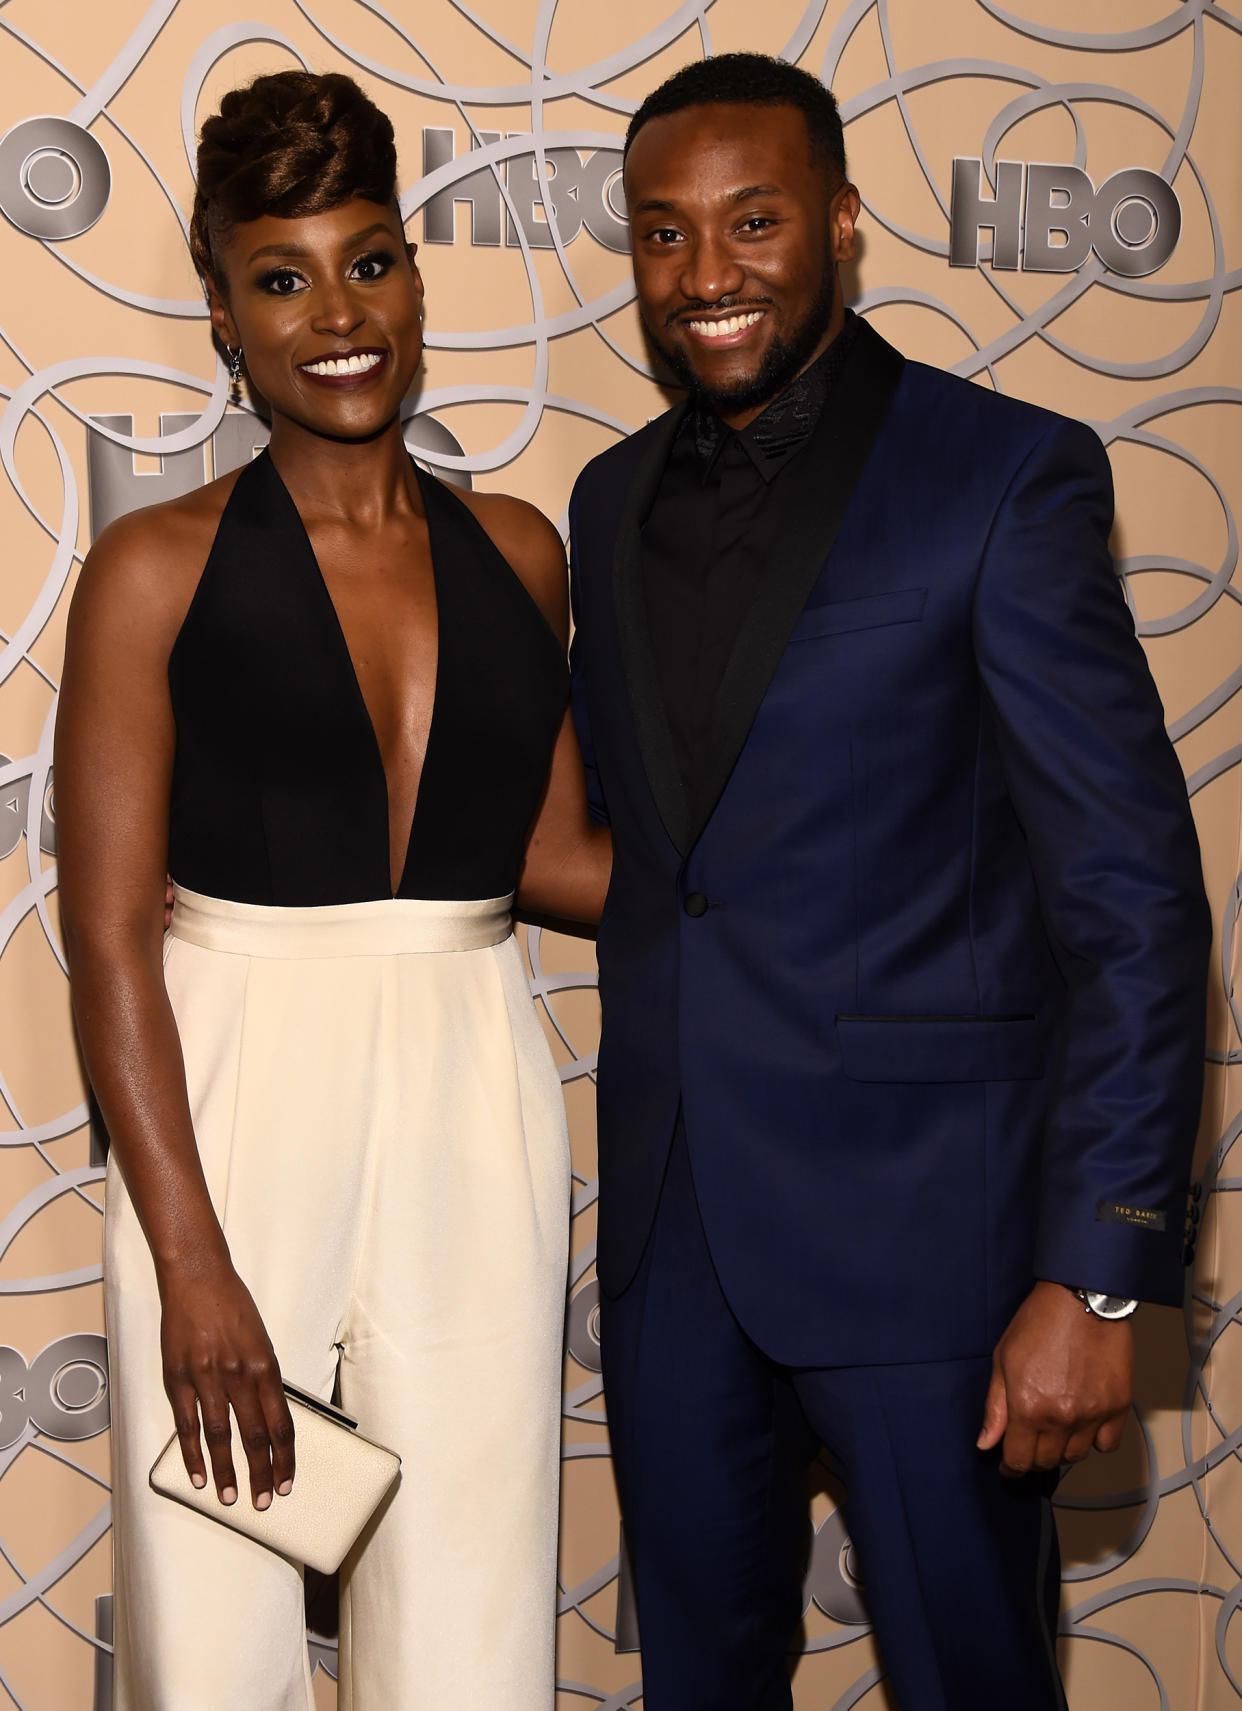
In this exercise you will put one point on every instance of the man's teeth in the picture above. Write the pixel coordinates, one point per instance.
(343, 364)
(718, 329)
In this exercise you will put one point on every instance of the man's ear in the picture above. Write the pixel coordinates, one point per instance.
(843, 213)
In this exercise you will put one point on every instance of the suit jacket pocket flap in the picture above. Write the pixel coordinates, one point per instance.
(940, 1048)
(900, 606)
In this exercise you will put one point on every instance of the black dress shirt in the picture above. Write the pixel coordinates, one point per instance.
(703, 539)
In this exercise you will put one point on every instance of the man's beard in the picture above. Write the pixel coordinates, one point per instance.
(782, 362)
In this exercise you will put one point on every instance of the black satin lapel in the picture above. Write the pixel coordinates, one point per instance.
(815, 496)
(646, 700)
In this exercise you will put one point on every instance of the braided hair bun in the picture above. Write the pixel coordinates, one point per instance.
(289, 144)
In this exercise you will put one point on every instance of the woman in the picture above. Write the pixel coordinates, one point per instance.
(327, 690)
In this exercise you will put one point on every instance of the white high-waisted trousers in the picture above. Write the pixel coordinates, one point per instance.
(383, 1136)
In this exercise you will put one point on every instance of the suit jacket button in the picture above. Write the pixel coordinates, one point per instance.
(695, 905)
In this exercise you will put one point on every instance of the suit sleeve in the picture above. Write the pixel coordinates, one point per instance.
(1102, 802)
(578, 649)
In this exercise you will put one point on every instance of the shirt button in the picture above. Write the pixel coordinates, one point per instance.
(695, 905)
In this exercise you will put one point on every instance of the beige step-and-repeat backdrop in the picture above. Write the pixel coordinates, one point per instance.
(1053, 195)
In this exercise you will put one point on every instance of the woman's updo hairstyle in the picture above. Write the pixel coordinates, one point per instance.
(289, 144)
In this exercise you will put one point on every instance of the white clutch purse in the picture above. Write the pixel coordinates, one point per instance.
(341, 1480)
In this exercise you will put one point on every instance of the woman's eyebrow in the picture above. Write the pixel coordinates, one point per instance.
(300, 250)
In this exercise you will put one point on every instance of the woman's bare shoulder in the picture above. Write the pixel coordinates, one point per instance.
(150, 560)
(531, 544)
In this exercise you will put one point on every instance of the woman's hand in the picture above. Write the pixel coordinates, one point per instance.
(217, 1356)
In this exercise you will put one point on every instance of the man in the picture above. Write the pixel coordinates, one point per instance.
(904, 959)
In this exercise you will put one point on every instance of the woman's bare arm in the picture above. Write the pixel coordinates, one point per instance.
(568, 855)
(114, 751)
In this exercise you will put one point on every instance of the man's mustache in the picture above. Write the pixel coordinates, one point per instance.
(721, 303)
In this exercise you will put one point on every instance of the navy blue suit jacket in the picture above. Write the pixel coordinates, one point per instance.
(939, 1030)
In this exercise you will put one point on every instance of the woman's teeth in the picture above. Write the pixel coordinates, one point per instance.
(718, 329)
(343, 365)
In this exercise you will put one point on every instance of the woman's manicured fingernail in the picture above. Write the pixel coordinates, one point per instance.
(198, 1480)
(229, 1494)
(285, 1487)
(263, 1499)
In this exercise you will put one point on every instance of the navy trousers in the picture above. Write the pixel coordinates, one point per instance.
(711, 1444)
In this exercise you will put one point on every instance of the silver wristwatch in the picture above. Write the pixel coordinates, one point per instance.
(1106, 1306)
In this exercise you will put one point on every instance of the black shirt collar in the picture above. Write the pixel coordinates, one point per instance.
(775, 436)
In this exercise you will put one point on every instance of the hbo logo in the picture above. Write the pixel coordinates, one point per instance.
(54, 178)
(580, 193)
(63, 1392)
(1132, 222)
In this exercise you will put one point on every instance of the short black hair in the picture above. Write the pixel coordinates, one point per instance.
(751, 80)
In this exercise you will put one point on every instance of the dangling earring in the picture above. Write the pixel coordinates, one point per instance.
(235, 374)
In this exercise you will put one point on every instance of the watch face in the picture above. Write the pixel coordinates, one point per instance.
(1110, 1306)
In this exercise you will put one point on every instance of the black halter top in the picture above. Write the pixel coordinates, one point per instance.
(278, 787)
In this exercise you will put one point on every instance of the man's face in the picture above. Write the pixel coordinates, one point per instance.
(736, 234)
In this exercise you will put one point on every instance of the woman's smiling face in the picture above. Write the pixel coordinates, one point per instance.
(327, 308)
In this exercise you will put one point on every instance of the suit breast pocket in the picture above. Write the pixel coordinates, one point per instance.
(870, 612)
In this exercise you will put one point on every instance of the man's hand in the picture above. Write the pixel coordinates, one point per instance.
(1062, 1381)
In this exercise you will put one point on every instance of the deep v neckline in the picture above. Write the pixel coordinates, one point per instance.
(351, 672)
